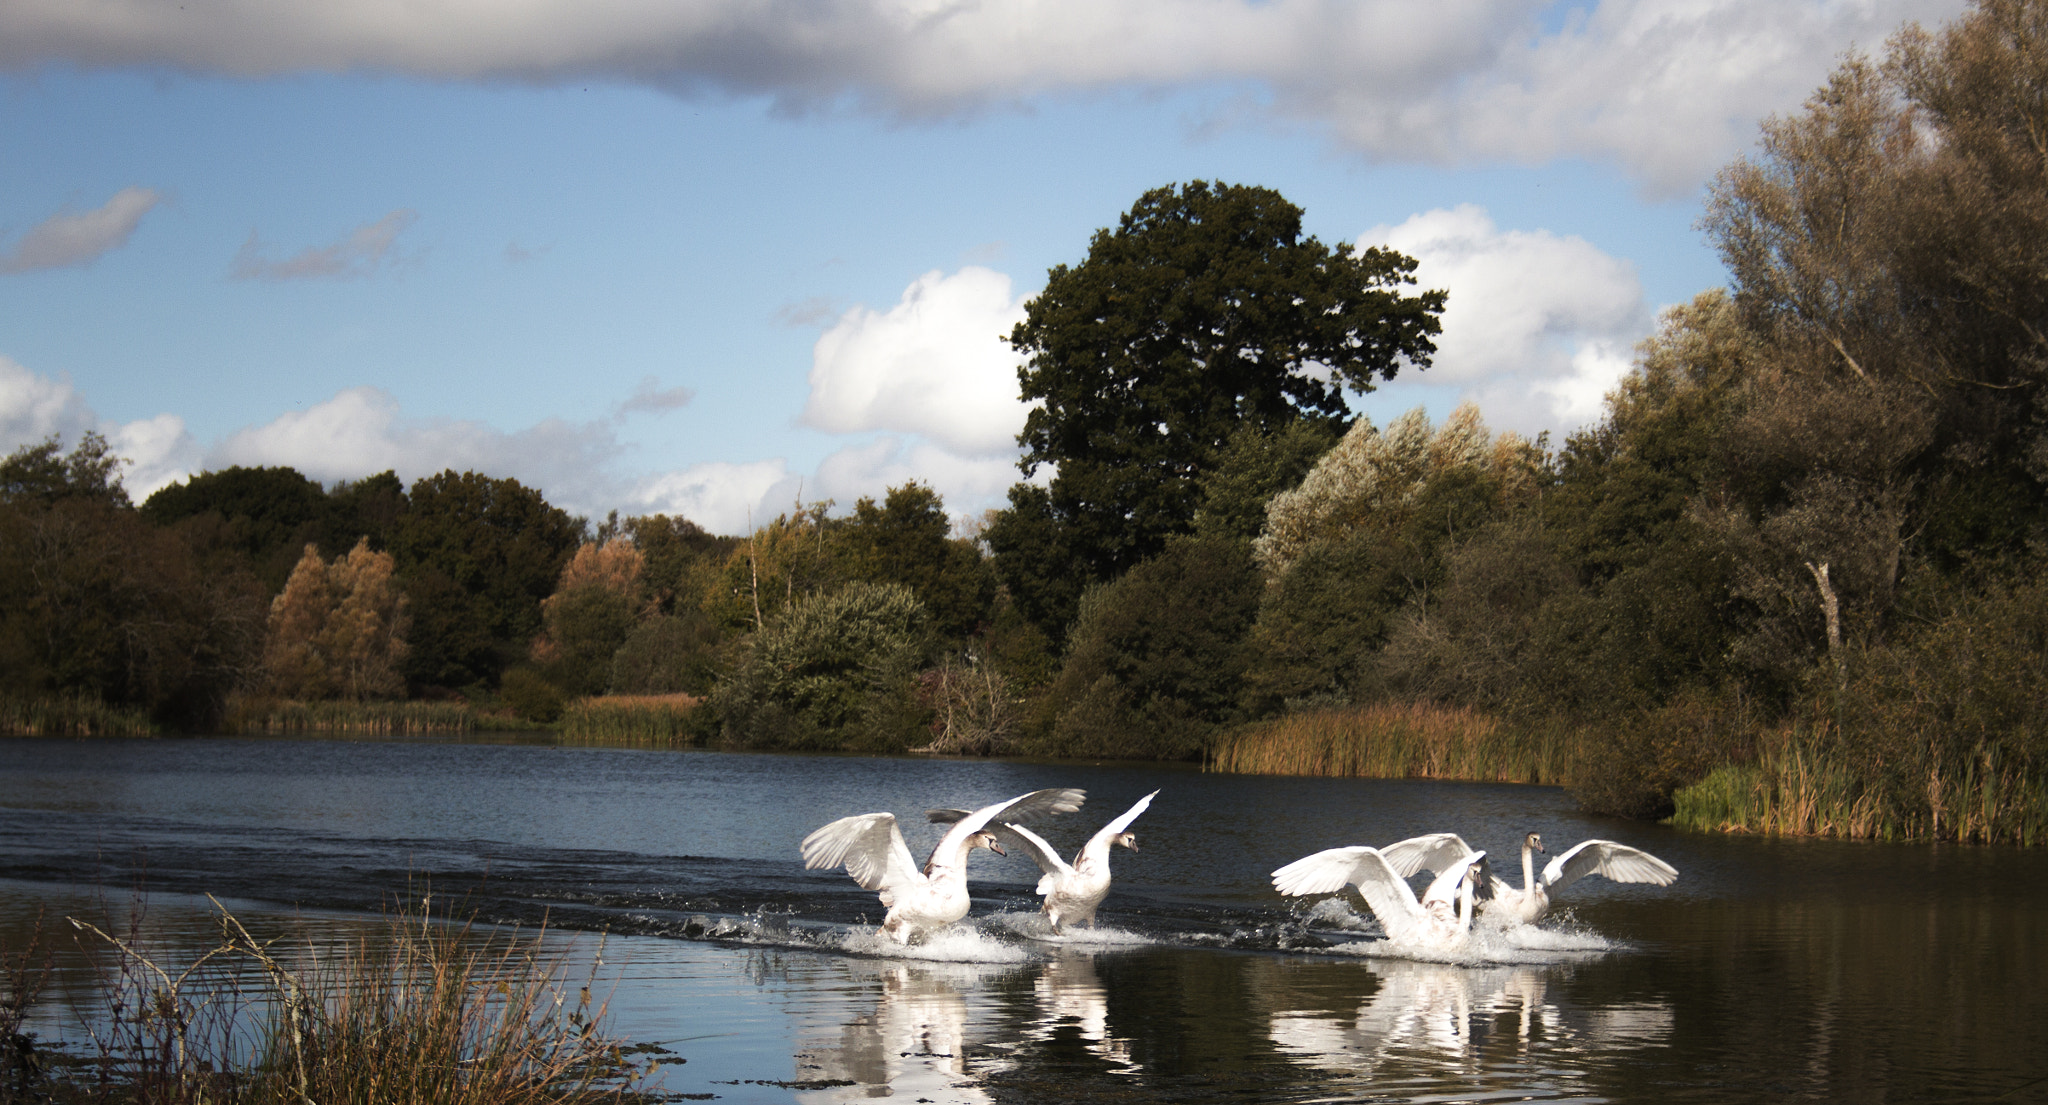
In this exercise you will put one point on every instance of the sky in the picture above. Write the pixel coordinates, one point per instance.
(717, 257)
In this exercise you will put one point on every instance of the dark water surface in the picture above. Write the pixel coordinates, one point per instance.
(1772, 971)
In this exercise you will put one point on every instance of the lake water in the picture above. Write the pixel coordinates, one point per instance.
(1773, 970)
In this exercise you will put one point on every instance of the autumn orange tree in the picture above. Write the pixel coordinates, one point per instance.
(338, 629)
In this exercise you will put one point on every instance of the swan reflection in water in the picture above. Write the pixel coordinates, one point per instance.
(1440, 1016)
(914, 1044)
(1069, 993)
(916, 1041)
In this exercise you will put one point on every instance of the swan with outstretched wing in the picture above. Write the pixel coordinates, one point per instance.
(1528, 904)
(922, 899)
(1440, 920)
(1073, 891)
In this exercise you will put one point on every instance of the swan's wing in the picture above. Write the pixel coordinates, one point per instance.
(1031, 808)
(1124, 822)
(1433, 852)
(870, 846)
(1604, 857)
(1097, 849)
(1017, 838)
(1023, 809)
(1326, 871)
(1445, 888)
(1383, 888)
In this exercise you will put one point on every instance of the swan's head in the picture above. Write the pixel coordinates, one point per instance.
(1533, 842)
(1128, 840)
(985, 839)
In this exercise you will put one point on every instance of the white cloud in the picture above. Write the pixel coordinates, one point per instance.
(362, 431)
(935, 365)
(33, 407)
(721, 497)
(968, 485)
(67, 240)
(1537, 327)
(1668, 88)
(358, 253)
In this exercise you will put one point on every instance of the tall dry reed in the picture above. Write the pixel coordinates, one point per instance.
(71, 716)
(425, 1011)
(283, 717)
(1397, 741)
(630, 721)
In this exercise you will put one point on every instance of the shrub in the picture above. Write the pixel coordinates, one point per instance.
(829, 671)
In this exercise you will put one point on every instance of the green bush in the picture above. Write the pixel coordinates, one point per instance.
(531, 696)
(830, 671)
(1156, 658)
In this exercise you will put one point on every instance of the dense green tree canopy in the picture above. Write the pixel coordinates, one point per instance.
(478, 555)
(1203, 311)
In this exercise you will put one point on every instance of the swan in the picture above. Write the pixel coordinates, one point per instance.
(1072, 891)
(1432, 923)
(934, 896)
(1589, 857)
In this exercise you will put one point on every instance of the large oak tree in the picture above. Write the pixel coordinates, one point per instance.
(1203, 312)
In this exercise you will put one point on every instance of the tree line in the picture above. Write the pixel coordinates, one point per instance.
(1816, 506)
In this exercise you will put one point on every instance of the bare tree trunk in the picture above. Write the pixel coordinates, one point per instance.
(1832, 607)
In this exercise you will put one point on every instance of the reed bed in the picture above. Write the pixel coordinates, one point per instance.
(630, 721)
(1397, 741)
(1800, 788)
(71, 716)
(423, 1012)
(377, 719)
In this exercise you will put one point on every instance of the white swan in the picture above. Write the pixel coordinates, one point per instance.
(1528, 904)
(934, 896)
(1072, 891)
(1432, 923)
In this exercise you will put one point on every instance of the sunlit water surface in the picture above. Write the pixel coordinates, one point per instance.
(1772, 971)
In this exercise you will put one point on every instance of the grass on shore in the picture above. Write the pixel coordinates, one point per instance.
(1799, 788)
(71, 716)
(282, 717)
(1396, 741)
(630, 721)
(424, 1011)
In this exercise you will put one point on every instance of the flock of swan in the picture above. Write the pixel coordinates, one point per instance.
(922, 899)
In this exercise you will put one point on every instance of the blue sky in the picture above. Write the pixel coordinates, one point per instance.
(705, 258)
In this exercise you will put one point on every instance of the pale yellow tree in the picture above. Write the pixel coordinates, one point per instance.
(1377, 474)
(338, 630)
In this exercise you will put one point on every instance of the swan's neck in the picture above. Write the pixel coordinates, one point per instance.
(1528, 866)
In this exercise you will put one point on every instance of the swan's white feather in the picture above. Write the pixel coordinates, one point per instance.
(1431, 852)
(871, 847)
(1607, 858)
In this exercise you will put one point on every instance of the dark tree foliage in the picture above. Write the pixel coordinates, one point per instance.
(266, 515)
(1036, 560)
(1156, 659)
(96, 602)
(676, 551)
(904, 540)
(43, 473)
(477, 556)
(1203, 311)
(1256, 464)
